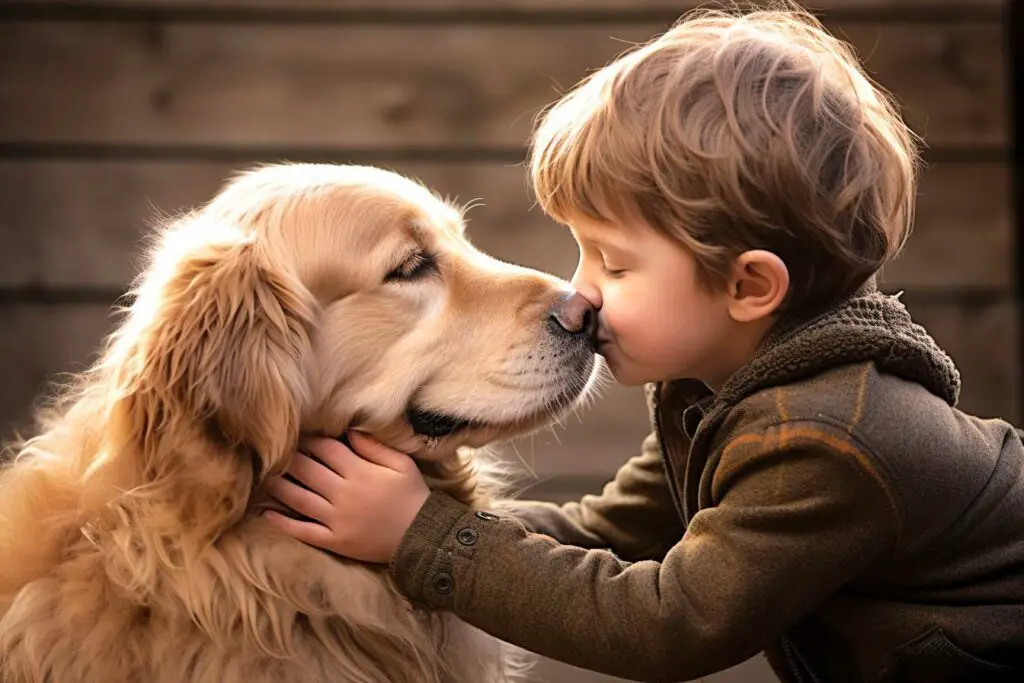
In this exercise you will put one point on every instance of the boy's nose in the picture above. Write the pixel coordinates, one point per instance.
(586, 290)
(572, 314)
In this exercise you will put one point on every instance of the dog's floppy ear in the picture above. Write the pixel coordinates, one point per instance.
(219, 331)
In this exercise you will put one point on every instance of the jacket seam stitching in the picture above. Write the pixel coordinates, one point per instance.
(884, 475)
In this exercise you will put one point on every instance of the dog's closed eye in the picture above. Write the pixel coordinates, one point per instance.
(416, 266)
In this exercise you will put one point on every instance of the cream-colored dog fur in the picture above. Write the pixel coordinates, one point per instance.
(296, 301)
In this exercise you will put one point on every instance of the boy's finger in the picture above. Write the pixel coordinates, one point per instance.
(301, 500)
(314, 476)
(332, 453)
(313, 534)
(376, 452)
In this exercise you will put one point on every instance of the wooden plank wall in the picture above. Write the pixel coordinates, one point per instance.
(112, 112)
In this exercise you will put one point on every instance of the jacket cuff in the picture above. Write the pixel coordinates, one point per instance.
(435, 553)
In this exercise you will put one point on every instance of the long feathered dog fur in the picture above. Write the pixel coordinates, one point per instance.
(132, 549)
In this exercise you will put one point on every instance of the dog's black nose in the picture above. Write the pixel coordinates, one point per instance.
(573, 315)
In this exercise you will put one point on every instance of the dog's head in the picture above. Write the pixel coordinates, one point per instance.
(315, 298)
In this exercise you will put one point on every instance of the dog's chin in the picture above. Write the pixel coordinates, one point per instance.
(440, 433)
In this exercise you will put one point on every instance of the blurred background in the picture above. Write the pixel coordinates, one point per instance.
(112, 112)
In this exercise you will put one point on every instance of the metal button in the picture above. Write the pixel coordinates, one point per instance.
(488, 516)
(443, 583)
(466, 536)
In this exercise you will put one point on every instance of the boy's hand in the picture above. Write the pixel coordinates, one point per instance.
(362, 505)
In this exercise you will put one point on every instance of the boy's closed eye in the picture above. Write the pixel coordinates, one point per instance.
(614, 264)
(611, 271)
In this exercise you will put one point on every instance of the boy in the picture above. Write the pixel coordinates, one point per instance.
(810, 488)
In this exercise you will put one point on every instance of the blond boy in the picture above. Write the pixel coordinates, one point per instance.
(810, 489)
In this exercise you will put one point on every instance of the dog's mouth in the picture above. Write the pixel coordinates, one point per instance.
(435, 425)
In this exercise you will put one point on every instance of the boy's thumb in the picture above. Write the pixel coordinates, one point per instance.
(374, 451)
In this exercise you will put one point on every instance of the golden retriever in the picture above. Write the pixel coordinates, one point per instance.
(302, 299)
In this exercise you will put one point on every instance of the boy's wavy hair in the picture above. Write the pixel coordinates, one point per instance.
(736, 131)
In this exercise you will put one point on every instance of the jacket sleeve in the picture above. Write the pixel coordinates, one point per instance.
(793, 516)
(634, 516)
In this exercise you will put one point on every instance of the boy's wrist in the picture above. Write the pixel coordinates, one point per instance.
(415, 553)
(438, 544)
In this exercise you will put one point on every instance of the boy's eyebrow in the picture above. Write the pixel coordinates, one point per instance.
(606, 243)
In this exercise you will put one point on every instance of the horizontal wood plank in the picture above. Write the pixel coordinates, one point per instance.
(963, 231)
(539, 6)
(354, 87)
(71, 224)
(38, 345)
(42, 340)
(984, 342)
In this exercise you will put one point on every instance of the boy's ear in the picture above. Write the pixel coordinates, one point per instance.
(758, 286)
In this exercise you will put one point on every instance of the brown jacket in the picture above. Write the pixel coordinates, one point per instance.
(829, 505)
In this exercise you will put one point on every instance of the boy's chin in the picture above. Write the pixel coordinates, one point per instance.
(630, 375)
(624, 374)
